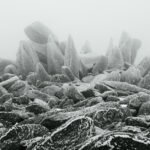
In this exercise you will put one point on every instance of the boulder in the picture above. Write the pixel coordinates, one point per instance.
(38, 32)
(113, 76)
(71, 92)
(125, 87)
(131, 75)
(36, 108)
(51, 90)
(10, 118)
(107, 118)
(19, 88)
(144, 109)
(4, 63)
(11, 69)
(71, 135)
(12, 138)
(145, 81)
(140, 121)
(116, 141)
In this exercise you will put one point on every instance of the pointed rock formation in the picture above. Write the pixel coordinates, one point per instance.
(62, 46)
(129, 47)
(42, 75)
(136, 44)
(101, 65)
(83, 69)
(86, 48)
(90, 59)
(72, 59)
(40, 49)
(110, 47)
(115, 59)
(55, 59)
(26, 58)
(66, 71)
(145, 81)
(144, 66)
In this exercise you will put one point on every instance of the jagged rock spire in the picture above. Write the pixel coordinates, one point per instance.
(55, 59)
(72, 59)
(86, 48)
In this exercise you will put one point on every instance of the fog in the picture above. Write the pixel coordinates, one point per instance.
(93, 20)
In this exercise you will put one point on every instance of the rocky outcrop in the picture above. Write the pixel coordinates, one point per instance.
(53, 97)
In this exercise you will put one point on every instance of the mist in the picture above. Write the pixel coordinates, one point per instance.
(94, 20)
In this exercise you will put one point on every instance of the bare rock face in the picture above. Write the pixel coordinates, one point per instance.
(55, 59)
(38, 32)
(72, 59)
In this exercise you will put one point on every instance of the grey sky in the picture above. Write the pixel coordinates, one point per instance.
(92, 20)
